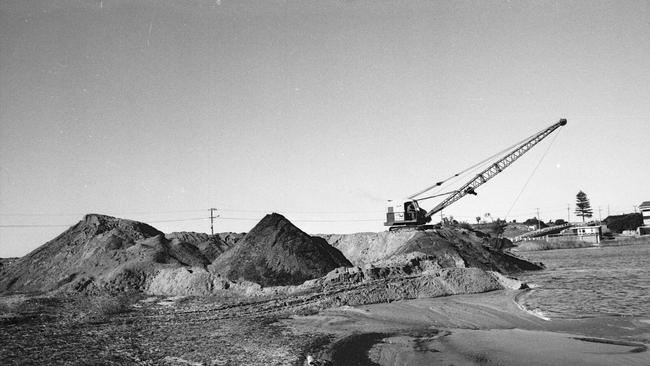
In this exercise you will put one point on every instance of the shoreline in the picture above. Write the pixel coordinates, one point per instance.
(472, 329)
(544, 245)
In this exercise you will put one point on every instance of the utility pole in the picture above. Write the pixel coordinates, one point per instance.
(599, 217)
(538, 226)
(634, 208)
(568, 212)
(212, 217)
(607, 209)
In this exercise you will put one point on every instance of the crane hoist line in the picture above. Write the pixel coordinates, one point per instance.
(407, 213)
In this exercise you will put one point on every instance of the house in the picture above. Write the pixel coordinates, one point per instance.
(591, 234)
(645, 212)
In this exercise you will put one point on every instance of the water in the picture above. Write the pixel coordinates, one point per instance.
(589, 282)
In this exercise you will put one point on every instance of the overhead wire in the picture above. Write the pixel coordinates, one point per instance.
(21, 214)
(255, 219)
(474, 167)
(532, 174)
(33, 225)
(440, 184)
(197, 219)
(59, 214)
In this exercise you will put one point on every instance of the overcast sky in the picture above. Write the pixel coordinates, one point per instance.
(319, 110)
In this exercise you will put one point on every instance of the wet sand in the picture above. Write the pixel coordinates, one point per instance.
(478, 329)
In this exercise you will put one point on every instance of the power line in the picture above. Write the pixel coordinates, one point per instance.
(306, 220)
(18, 214)
(177, 220)
(298, 220)
(296, 212)
(30, 225)
(191, 219)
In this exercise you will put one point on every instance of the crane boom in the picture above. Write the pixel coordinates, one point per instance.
(495, 168)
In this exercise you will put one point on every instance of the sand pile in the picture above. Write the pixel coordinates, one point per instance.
(452, 247)
(276, 253)
(210, 246)
(364, 248)
(107, 254)
(409, 276)
(100, 253)
(6, 262)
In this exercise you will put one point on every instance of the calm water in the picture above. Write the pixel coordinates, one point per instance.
(590, 282)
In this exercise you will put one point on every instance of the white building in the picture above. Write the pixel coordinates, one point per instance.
(645, 212)
(591, 234)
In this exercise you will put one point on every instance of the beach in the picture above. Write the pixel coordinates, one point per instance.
(480, 329)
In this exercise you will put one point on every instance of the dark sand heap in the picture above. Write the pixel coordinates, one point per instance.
(453, 246)
(210, 246)
(100, 253)
(277, 253)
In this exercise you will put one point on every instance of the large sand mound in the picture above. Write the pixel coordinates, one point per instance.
(103, 253)
(276, 253)
(452, 247)
(99, 253)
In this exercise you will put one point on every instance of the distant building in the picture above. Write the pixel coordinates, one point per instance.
(645, 212)
(591, 234)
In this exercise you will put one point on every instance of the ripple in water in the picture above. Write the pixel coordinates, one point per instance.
(592, 282)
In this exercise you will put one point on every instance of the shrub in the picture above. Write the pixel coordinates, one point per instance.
(619, 223)
(101, 308)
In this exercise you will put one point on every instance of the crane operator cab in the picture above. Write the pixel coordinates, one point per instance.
(406, 212)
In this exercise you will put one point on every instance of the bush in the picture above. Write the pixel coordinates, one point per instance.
(534, 222)
(619, 223)
(465, 225)
(100, 308)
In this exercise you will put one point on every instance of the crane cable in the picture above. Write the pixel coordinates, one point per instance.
(473, 167)
(531, 174)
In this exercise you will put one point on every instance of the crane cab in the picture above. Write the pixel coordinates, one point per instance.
(405, 213)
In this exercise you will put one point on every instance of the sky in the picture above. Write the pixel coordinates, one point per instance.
(319, 110)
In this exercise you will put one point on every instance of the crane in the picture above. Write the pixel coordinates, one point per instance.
(408, 213)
